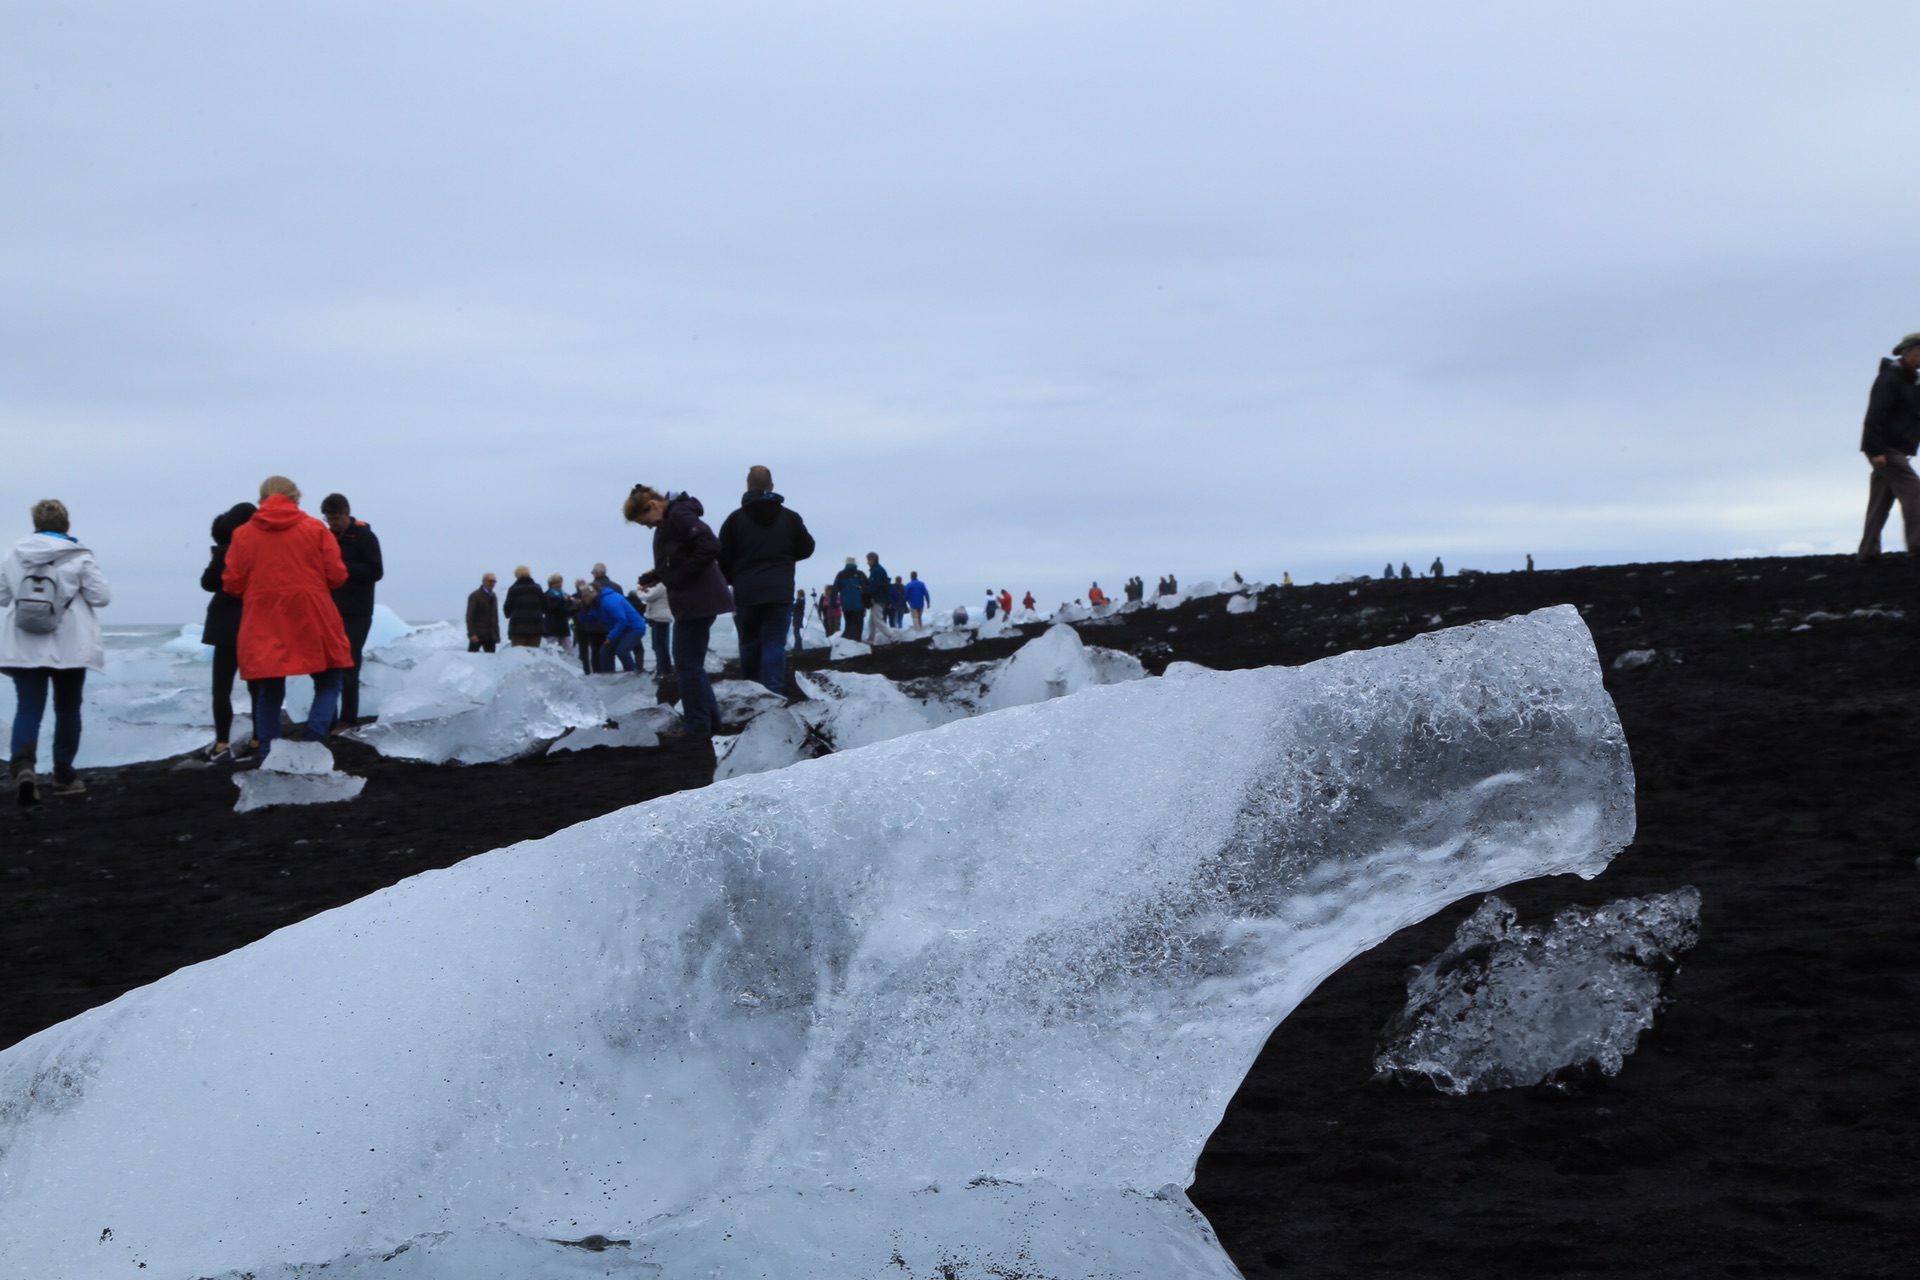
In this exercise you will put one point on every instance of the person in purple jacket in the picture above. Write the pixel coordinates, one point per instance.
(686, 557)
(625, 629)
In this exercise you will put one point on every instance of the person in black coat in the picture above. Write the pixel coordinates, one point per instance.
(222, 631)
(760, 542)
(1889, 437)
(526, 607)
(360, 552)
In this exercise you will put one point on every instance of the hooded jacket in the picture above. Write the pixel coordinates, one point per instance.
(760, 542)
(360, 552)
(618, 616)
(76, 641)
(222, 626)
(686, 557)
(284, 566)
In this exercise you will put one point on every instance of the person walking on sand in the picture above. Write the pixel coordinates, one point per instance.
(526, 609)
(686, 557)
(849, 587)
(221, 632)
(360, 552)
(50, 586)
(761, 541)
(1889, 437)
(285, 565)
(483, 616)
(916, 597)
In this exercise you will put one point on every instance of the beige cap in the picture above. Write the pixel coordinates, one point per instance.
(1911, 340)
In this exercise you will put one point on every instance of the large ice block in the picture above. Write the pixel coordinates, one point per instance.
(970, 998)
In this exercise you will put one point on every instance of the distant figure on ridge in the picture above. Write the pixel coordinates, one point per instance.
(360, 552)
(1889, 437)
(1529, 562)
(557, 616)
(1439, 570)
(1406, 571)
(483, 616)
(1095, 596)
(917, 597)
(875, 594)
(799, 615)
(760, 543)
(285, 566)
(849, 592)
(1006, 603)
(686, 557)
(1027, 602)
(51, 585)
(993, 604)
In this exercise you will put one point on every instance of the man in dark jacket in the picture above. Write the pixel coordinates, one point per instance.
(760, 542)
(526, 608)
(360, 551)
(483, 617)
(1889, 438)
(686, 559)
(876, 595)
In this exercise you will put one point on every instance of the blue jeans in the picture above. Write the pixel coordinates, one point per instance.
(623, 650)
(763, 643)
(270, 694)
(663, 656)
(30, 707)
(697, 705)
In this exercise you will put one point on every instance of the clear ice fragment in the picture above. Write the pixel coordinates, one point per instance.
(1508, 1005)
(294, 773)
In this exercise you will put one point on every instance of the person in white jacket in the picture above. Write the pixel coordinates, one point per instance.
(50, 586)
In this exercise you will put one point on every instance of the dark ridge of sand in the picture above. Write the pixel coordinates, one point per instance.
(1767, 1126)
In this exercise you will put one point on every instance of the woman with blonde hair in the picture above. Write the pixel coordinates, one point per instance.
(526, 609)
(284, 565)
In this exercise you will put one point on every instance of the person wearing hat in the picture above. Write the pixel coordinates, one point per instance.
(851, 585)
(1890, 438)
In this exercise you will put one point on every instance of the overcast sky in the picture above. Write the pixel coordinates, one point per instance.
(1016, 295)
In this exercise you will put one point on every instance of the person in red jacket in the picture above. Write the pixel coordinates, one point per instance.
(1096, 596)
(285, 566)
(1006, 602)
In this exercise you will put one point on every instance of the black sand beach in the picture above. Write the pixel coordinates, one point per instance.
(1766, 1127)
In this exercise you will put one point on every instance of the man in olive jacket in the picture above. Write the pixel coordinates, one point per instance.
(1889, 438)
(760, 542)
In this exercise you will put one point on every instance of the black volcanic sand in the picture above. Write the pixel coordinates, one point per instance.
(1765, 1127)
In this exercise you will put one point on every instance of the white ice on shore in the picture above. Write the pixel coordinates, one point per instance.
(295, 773)
(448, 705)
(973, 997)
(1508, 1005)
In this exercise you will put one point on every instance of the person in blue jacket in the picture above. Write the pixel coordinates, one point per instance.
(625, 629)
(852, 588)
(917, 596)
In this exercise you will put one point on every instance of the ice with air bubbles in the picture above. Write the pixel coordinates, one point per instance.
(966, 1001)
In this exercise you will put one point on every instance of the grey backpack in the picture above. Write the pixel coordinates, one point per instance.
(37, 607)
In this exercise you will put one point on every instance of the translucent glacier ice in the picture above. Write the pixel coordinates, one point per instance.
(773, 740)
(1506, 1005)
(295, 773)
(450, 705)
(969, 999)
(841, 648)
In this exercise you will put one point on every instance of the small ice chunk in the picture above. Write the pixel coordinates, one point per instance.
(1185, 671)
(294, 773)
(1634, 659)
(1111, 666)
(842, 648)
(1242, 604)
(951, 640)
(770, 741)
(854, 709)
(639, 727)
(742, 700)
(1507, 1005)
